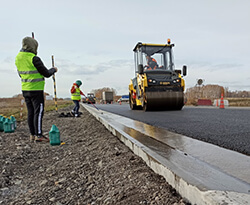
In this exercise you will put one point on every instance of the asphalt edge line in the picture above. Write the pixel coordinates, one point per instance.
(189, 192)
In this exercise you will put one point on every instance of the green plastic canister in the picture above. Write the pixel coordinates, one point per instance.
(2, 120)
(54, 136)
(8, 126)
(13, 119)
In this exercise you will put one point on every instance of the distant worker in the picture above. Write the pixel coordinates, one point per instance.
(152, 63)
(76, 97)
(32, 72)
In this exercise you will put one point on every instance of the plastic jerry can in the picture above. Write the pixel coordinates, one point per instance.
(8, 126)
(2, 120)
(13, 119)
(54, 136)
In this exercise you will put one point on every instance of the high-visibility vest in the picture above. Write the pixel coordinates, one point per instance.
(30, 77)
(76, 95)
(152, 62)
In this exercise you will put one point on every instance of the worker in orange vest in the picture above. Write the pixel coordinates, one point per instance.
(152, 63)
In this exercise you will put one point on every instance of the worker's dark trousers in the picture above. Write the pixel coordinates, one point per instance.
(35, 105)
(77, 106)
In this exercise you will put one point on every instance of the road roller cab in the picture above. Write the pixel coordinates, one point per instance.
(157, 85)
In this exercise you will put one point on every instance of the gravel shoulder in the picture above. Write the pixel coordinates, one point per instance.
(92, 167)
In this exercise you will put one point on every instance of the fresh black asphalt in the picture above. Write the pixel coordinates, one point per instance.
(228, 128)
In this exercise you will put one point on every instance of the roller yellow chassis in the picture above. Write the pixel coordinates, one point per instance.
(142, 84)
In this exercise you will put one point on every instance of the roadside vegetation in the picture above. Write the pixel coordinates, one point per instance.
(239, 102)
(12, 106)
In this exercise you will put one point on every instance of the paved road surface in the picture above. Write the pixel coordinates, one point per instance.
(228, 128)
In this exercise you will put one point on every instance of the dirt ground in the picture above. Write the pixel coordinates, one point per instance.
(92, 167)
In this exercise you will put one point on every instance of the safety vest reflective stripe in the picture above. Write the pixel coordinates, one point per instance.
(32, 80)
(28, 72)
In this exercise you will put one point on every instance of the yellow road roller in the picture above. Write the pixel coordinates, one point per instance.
(157, 85)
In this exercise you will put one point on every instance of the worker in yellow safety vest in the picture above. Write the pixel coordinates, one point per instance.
(76, 97)
(32, 72)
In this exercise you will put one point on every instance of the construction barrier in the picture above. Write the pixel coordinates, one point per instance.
(206, 102)
(217, 102)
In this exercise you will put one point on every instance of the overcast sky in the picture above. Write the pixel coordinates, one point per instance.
(92, 40)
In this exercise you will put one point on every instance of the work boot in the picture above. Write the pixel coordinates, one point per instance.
(72, 112)
(41, 138)
(32, 138)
